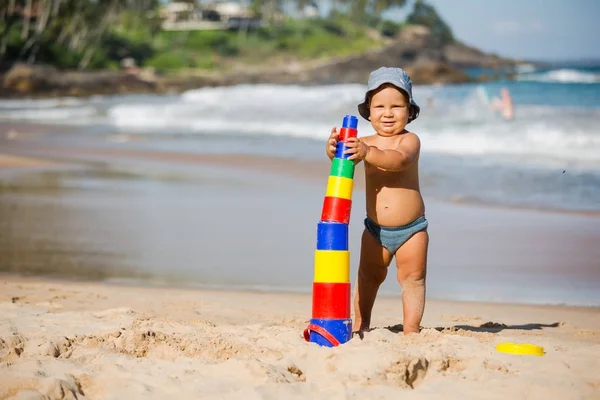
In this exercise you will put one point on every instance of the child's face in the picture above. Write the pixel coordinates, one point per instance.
(389, 111)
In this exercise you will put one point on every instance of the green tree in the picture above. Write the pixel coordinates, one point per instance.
(366, 11)
(267, 8)
(426, 15)
(380, 6)
(75, 25)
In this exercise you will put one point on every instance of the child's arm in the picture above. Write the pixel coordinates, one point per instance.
(391, 159)
(395, 159)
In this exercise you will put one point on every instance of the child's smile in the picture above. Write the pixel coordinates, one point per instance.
(389, 111)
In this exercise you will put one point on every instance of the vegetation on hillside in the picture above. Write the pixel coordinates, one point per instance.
(92, 34)
(303, 39)
(425, 14)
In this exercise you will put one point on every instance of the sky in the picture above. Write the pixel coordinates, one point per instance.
(529, 29)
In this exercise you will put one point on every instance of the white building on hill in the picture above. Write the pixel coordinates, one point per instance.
(210, 15)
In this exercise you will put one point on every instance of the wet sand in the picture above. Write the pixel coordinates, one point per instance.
(113, 212)
(11, 161)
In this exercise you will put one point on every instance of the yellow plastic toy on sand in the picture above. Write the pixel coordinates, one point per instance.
(520, 349)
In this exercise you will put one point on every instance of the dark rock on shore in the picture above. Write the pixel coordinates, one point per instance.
(40, 80)
(463, 56)
(415, 49)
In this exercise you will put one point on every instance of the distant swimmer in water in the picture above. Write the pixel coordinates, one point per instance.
(429, 102)
(504, 104)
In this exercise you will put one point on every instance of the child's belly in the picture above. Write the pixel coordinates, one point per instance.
(394, 206)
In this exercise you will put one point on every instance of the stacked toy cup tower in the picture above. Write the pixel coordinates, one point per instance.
(331, 324)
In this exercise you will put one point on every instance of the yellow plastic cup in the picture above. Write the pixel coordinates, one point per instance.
(520, 349)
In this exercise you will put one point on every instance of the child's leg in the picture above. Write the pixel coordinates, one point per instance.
(372, 270)
(411, 261)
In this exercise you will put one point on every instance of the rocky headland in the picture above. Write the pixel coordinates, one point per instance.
(415, 49)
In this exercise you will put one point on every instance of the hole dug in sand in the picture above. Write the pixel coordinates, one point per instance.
(451, 365)
(11, 347)
(410, 372)
(294, 370)
(407, 372)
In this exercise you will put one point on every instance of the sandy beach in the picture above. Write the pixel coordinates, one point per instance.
(68, 340)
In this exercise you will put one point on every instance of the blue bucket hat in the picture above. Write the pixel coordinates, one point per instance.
(397, 77)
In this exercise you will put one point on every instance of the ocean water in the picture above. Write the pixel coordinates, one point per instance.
(144, 228)
(548, 157)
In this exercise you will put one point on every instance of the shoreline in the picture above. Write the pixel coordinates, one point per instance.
(133, 284)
